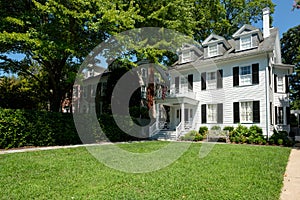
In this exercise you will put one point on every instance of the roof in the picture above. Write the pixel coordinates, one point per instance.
(265, 46)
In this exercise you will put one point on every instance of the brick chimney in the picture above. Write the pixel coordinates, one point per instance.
(266, 22)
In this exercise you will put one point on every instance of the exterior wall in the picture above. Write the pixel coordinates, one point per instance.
(229, 93)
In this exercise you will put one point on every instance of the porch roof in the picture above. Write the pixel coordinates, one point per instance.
(173, 101)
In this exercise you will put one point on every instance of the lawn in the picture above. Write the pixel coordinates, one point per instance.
(228, 172)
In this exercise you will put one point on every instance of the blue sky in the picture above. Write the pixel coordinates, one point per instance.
(283, 17)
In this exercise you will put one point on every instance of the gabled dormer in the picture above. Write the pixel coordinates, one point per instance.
(247, 37)
(188, 53)
(215, 45)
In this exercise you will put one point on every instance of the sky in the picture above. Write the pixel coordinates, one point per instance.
(284, 18)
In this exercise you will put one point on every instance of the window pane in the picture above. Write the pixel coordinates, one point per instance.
(246, 112)
(213, 50)
(212, 113)
(245, 42)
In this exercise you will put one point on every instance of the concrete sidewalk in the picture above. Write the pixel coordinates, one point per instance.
(291, 183)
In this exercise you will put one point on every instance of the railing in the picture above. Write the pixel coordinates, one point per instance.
(174, 93)
(152, 129)
(178, 130)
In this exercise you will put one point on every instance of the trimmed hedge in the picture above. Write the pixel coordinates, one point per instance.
(20, 128)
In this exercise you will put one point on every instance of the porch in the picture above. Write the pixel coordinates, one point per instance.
(175, 115)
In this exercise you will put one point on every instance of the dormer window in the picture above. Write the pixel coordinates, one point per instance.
(245, 42)
(186, 56)
(213, 50)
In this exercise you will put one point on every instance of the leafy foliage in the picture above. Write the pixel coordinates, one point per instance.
(192, 136)
(252, 135)
(290, 48)
(203, 130)
(20, 128)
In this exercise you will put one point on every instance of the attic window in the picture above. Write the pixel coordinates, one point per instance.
(186, 56)
(213, 50)
(245, 42)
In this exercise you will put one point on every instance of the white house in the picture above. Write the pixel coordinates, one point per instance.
(226, 83)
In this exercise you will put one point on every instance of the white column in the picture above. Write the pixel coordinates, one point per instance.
(182, 116)
(157, 115)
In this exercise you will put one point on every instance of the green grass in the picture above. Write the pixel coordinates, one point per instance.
(228, 172)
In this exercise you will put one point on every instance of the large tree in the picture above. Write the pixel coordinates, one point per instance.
(57, 35)
(290, 48)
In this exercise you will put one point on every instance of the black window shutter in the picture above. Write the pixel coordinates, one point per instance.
(275, 83)
(220, 78)
(203, 81)
(256, 112)
(286, 84)
(236, 112)
(255, 73)
(288, 115)
(190, 82)
(276, 115)
(235, 76)
(203, 113)
(220, 113)
(269, 70)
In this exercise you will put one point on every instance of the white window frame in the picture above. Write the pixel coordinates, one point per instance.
(246, 112)
(213, 50)
(246, 44)
(85, 91)
(245, 76)
(144, 72)
(183, 88)
(186, 56)
(211, 83)
(212, 113)
(93, 90)
(280, 84)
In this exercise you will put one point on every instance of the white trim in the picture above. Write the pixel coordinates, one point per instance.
(246, 37)
(215, 51)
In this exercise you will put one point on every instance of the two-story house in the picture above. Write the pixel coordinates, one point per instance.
(228, 82)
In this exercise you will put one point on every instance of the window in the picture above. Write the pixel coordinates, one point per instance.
(246, 112)
(93, 90)
(143, 91)
(177, 84)
(245, 75)
(75, 91)
(144, 72)
(186, 56)
(279, 84)
(85, 91)
(245, 43)
(213, 50)
(211, 80)
(212, 113)
(280, 115)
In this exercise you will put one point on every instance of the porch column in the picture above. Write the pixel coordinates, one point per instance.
(182, 116)
(157, 115)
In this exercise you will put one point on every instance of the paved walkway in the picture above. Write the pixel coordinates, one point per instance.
(291, 183)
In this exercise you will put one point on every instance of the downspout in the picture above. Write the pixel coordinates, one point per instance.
(267, 97)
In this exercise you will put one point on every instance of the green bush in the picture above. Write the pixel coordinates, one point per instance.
(192, 136)
(280, 138)
(20, 128)
(242, 134)
(216, 128)
(228, 128)
(203, 130)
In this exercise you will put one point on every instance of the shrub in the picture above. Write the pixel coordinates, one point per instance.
(228, 128)
(203, 130)
(20, 128)
(280, 138)
(216, 128)
(192, 136)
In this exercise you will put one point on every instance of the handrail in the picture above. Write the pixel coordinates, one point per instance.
(178, 130)
(152, 129)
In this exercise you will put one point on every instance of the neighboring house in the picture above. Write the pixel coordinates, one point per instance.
(226, 83)
(83, 98)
